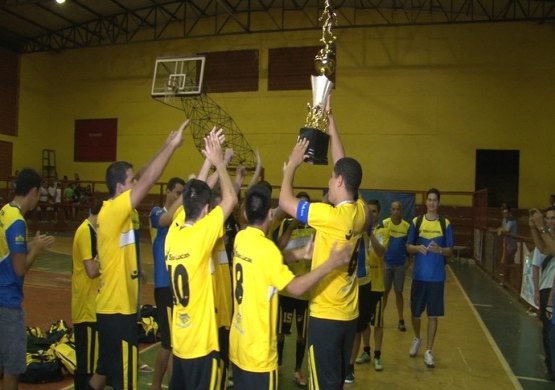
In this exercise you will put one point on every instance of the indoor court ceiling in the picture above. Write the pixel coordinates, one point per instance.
(44, 25)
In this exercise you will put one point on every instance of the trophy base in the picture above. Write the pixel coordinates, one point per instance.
(318, 142)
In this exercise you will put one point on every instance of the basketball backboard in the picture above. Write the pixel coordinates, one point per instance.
(178, 76)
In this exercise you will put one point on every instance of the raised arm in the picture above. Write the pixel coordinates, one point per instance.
(153, 170)
(213, 152)
(287, 201)
(256, 175)
(337, 150)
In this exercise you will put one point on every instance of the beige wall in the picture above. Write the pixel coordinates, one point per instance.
(412, 104)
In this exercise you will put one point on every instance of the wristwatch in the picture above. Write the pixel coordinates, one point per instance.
(545, 229)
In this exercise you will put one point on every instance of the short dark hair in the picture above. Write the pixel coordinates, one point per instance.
(257, 204)
(376, 203)
(433, 191)
(173, 182)
(266, 184)
(26, 180)
(303, 194)
(196, 195)
(550, 208)
(351, 172)
(116, 173)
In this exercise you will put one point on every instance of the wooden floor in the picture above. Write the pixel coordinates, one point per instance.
(466, 355)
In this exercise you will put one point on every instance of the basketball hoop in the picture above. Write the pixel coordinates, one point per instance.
(174, 86)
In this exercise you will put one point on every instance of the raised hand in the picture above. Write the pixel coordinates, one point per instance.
(175, 138)
(219, 132)
(298, 154)
(228, 155)
(212, 149)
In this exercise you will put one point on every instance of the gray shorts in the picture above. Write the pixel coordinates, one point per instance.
(395, 276)
(13, 341)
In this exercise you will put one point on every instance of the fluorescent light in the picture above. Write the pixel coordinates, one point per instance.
(60, 1)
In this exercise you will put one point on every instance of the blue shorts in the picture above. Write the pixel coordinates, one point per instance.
(13, 341)
(429, 296)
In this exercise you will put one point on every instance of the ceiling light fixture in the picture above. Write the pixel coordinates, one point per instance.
(60, 1)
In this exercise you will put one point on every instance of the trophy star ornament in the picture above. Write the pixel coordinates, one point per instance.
(317, 119)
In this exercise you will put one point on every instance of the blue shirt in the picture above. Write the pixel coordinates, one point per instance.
(396, 253)
(158, 236)
(431, 266)
(12, 240)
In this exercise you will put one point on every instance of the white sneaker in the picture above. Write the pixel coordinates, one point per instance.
(429, 359)
(415, 346)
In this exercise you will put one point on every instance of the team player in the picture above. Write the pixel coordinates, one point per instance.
(396, 259)
(160, 220)
(430, 239)
(333, 307)
(258, 273)
(371, 286)
(16, 257)
(196, 363)
(294, 235)
(117, 300)
(84, 288)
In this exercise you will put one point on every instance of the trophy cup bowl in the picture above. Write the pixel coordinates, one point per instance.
(318, 141)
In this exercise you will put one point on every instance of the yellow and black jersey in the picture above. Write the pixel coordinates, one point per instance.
(188, 258)
(222, 285)
(335, 297)
(119, 280)
(258, 274)
(300, 236)
(376, 263)
(83, 288)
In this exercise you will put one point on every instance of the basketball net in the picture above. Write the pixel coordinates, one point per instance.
(171, 90)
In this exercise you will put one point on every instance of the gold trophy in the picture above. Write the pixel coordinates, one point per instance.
(317, 118)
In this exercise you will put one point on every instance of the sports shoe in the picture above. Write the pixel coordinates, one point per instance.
(350, 378)
(143, 367)
(429, 359)
(363, 358)
(415, 346)
(378, 364)
(299, 379)
(401, 326)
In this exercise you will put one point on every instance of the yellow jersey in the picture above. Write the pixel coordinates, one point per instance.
(300, 236)
(376, 263)
(119, 279)
(83, 288)
(258, 274)
(222, 285)
(335, 297)
(188, 253)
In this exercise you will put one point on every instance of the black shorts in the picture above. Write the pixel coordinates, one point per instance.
(427, 296)
(200, 373)
(330, 344)
(164, 304)
(364, 307)
(118, 349)
(86, 347)
(376, 308)
(248, 380)
(290, 308)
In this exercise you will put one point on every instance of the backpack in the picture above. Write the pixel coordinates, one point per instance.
(148, 330)
(65, 351)
(42, 367)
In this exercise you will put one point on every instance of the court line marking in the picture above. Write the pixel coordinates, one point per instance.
(482, 305)
(489, 337)
(141, 351)
(528, 378)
